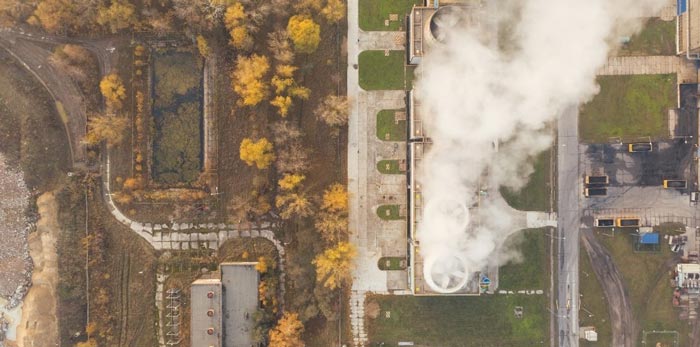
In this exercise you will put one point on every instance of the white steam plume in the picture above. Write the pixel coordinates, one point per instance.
(474, 93)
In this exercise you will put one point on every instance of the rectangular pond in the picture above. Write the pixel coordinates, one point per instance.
(177, 111)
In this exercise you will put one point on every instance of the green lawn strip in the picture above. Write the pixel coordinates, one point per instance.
(657, 37)
(629, 107)
(391, 263)
(374, 13)
(594, 310)
(460, 321)
(389, 212)
(530, 270)
(388, 129)
(380, 72)
(647, 283)
(534, 196)
(390, 167)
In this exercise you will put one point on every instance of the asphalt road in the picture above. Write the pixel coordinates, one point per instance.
(569, 216)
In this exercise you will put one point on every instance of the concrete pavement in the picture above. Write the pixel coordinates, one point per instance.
(569, 195)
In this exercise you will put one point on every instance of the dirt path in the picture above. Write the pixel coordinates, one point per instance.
(624, 326)
(39, 325)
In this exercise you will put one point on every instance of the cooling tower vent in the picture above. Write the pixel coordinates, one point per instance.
(444, 20)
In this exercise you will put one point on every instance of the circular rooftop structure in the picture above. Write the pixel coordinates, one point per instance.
(449, 213)
(446, 273)
(445, 20)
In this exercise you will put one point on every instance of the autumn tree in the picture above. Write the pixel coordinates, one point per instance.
(287, 332)
(333, 110)
(74, 60)
(248, 79)
(293, 205)
(106, 128)
(332, 225)
(236, 24)
(118, 16)
(290, 181)
(259, 153)
(335, 198)
(199, 15)
(293, 156)
(304, 32)
(334, 266)
(113, 90)
(280, 47)
(13, 11)
(334, 10)
(286, 88)
(203, 46)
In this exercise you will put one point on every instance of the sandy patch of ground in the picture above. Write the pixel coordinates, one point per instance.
(39, 326)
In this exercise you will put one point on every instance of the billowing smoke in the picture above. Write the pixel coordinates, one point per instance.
(502, 82)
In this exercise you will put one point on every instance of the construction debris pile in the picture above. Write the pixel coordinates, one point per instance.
(15, 262)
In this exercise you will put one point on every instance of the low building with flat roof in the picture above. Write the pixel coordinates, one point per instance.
(223, 307)
(205, 314)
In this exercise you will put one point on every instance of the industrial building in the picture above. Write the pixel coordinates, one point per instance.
(223, 307)
(688, 278)
(429, 24)
(688, 28)
(419, 143)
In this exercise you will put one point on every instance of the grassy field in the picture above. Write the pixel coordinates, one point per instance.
(628, 107)
(387, 127)
(529, 271)
(657, 37)
(389, 167)
(177, 144)
(534, 196)
(593, 301)
(389, 212)
(380, 72)
(460, 321)
(646, 276)
(374, 13)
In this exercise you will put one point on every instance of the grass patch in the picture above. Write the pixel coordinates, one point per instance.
(595, 306)
(374, 13)
(646, 277)
(389, 167)
(534, 196)
(657, 37)
(380, 72)
(391, 263)
(388, 129)
(527, 272)
(389, 212)
(460, 321)
(177, 111)
(629, 107)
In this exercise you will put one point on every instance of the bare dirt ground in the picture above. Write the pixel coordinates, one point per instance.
(624, 326)
(39, 325)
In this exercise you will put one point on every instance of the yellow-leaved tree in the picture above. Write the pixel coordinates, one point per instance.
(203, 46)
(290, 181)
(119, 15)
(286, 88)
(334, 10)
(293, 205)
(287, 332)
(247, 79)
(234, 20)
(335, 198)
(259, 153)
(110, 129)
(113, 90)
(334, 266)
(304, 32)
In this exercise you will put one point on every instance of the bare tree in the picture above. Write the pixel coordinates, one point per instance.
(333, 110)
(279, 44)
